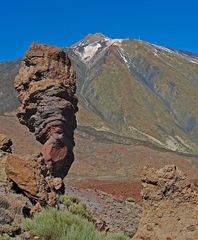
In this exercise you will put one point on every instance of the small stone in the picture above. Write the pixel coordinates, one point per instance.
(51, 199)
(191, 228)
(57, 183)
(36, 209)
(149, 228)
(36, 238)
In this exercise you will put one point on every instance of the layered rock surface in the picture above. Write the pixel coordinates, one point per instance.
(170, 206)
(46, 87)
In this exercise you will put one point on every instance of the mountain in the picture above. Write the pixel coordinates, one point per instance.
(129, 91)
(138, 91)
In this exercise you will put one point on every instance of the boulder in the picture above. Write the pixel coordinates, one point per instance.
(30, 175)
(21, 170)
(170, 206)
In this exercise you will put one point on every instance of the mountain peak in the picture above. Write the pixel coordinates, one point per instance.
(93, 44)
(91, 39)
(95, 37)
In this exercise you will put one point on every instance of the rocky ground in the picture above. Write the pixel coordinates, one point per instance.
(121, 190)
(170, 209)
(11, 204)
(170, 206)
(110, 214)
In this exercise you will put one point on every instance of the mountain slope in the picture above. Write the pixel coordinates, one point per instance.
(8, 100)
(138, 90)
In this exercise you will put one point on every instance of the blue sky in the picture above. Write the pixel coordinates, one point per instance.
(171, 23)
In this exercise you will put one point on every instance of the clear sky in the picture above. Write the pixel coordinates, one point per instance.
(171, 23)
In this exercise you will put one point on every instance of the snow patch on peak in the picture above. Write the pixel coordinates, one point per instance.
(117, 40)
(89, 51)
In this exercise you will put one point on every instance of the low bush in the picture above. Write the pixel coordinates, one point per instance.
(196, 184)
(5, 237)
(75, 206)
(67, 200)
(130, 199)
(52, 224)
(115, 236)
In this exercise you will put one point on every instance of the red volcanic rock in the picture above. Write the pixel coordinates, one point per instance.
(53, 149)
(46, 86)
(170, 206)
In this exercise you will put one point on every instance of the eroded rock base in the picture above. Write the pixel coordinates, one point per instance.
(170, 206)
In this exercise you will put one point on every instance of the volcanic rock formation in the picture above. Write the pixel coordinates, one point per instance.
(46, 87)
(170, 206)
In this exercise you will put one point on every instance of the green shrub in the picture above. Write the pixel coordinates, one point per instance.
(5, 237)
(116, 236)
(75, 206)
(67, 200)
(130, 199)
(52, 224)
(196, 184)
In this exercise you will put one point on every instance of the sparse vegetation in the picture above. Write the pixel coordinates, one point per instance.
(130, 199)
(52, 224)
(196, 184)
(75, 206)
(67, 200)
(5, 237)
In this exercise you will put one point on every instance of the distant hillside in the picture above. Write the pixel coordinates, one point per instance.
(8, 100)
(129, 91)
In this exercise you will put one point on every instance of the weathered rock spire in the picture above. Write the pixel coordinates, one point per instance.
(46, 84)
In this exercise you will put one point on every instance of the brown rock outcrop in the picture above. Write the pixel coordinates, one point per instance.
(46, 87)
(5, 143)
(21, 170)
(31, 175)
(170, 206)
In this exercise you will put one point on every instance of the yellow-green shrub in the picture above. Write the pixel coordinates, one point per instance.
(75, 206)
(52, 224)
